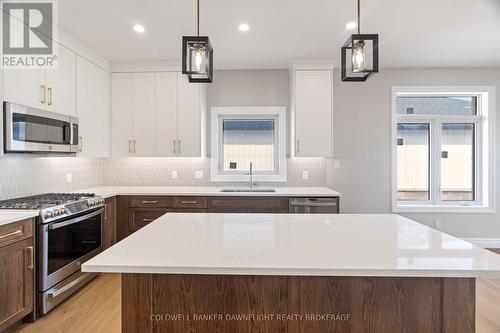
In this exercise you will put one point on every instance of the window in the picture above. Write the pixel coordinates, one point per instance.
(248, 135)
(442, 149)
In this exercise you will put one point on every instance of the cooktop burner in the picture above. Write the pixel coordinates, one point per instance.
(43, 200)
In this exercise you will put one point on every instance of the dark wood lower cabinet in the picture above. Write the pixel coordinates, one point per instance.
(109, 223)
(140, 217)
(135, 212)
(17, 273)
(220, 303)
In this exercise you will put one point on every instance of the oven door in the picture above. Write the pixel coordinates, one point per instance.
(66, 244)
(32, 130)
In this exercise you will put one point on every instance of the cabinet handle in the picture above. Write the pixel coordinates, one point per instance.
(179, 150)
(43, 94)
(189, 202)
(129, 149)
(11, 234)
(298, 146)
(80, 143)
(49, 90)
(147, 220)
(105, 217)
(149, 201)
(31, 254)
(175, 150)
(135, 147)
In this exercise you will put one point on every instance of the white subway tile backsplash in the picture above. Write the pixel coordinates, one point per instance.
(22, 175)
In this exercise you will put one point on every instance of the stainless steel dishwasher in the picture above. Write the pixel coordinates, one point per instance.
(313, 205)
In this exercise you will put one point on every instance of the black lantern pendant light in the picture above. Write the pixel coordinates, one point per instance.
(359, 55)
(197, 55)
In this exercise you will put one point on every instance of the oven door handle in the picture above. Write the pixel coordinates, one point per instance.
(75, 220)
(70, 285)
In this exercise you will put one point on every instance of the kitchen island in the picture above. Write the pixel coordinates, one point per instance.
(295, 273)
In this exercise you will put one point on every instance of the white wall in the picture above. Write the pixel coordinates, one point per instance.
(362, 138)
(250, 88)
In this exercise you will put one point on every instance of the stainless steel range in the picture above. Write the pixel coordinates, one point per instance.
(68, 233)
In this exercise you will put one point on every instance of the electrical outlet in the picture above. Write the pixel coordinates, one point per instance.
(305, 174)
(69, 178)
(174, 174)
(198, 174)
(437, 224)
(336, 165)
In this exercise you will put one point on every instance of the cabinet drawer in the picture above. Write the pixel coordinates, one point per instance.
(147, 201)
(141, 217)
(262, 204)
(15, 232)
(190, 202)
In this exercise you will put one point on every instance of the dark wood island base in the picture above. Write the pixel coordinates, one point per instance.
(229, 303)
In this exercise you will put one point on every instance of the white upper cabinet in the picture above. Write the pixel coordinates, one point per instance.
(156, 114)
(189, 113)
(25, 86)
(144, 115)
(166, 113)
(312, 113)
(51, 89)
(60, 83)
(122, 132)
(92, 109)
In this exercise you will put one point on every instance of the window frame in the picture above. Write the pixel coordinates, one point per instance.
(484, 153)
(218, 114)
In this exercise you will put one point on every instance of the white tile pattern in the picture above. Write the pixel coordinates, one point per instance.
(22, 175)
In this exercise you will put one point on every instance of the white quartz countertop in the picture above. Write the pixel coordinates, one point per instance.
(287, 244)
(11, 216)
(110, 191)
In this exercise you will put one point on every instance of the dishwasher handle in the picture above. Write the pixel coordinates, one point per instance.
(313, 204)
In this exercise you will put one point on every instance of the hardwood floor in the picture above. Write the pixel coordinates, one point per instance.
(94, 309)
(97, 308)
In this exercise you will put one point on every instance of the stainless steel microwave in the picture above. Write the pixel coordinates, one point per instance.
(30, 130)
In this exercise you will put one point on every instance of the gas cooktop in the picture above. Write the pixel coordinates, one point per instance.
(44, 200)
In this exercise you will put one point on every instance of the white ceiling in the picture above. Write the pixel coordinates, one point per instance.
(413, 33)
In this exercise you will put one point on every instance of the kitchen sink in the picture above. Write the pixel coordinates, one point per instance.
(258, 190)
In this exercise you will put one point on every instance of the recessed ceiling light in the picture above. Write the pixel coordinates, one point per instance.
(243, 27)
(351, 26)
(139, 28)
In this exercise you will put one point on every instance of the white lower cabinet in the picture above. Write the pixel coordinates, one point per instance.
(92, 109)
(156, 114)
(312, 113)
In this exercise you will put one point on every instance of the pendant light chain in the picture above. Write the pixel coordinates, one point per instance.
(198, 15)
(359, 16)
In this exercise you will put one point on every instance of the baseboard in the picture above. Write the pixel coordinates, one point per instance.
(487, 243)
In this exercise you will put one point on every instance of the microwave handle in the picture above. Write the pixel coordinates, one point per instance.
(75, 220)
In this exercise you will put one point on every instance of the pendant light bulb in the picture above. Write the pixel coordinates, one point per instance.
(358, 57)
(198, 59)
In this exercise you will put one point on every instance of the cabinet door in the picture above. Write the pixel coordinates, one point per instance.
(189, 118)
(313, 113)
(122, 86)
(109, 223)
(25, 86)
(16, 282)
(92, 108)
(143, 114)
(166, 114)
(61, 83)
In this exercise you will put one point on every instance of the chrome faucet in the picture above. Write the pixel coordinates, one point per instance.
(252, 183)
